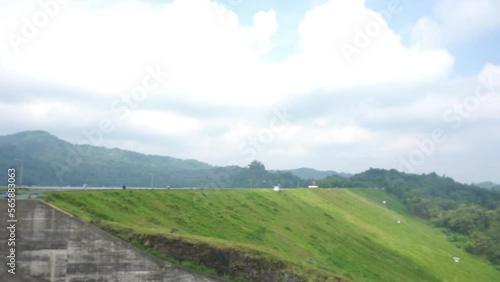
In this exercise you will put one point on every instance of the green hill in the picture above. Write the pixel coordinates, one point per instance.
(469, 215)
(49, 161)
(488, 185)
(310, 173)
(317, 234)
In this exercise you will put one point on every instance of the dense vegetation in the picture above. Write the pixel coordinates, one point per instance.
(313, 174)
(317, 233)
(469, 215)
(488, 185)
(49, 161)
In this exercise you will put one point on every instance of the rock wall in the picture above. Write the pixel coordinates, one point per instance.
(224, 261)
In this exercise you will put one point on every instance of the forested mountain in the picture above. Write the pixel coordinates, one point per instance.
(46, 160)
(488, 185)
(310, 173)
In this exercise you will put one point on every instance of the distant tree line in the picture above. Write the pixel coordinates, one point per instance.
(254, 175)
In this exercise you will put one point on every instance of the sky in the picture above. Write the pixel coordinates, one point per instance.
(342, 85)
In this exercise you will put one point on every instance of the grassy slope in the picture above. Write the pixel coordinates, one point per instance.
(346, 232)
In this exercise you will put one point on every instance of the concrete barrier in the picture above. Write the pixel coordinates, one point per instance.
(54, 246)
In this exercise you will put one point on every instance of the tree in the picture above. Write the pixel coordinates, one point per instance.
(479, 244)
(466, 219)
(256, 166)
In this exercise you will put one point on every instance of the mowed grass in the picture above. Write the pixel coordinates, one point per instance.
(342, 232)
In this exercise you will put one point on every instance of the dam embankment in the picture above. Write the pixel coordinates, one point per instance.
(51, 245)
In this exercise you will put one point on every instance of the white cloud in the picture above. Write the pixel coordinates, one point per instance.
(221, 85)
(162, 123)
(340, 135)
(40, 114)
(381, 59)
(457, 21)
(105, 48)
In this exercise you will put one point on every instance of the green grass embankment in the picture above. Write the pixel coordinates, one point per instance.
(343, 232)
